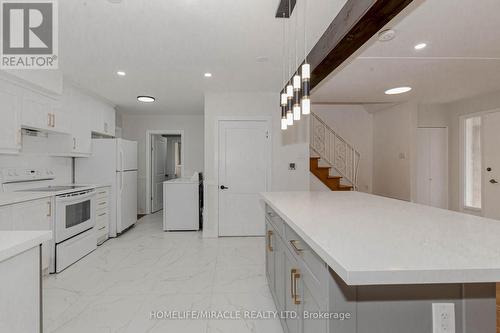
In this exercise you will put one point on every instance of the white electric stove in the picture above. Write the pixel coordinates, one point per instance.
(74, 213)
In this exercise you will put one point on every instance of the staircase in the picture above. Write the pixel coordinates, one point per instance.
(341, 158)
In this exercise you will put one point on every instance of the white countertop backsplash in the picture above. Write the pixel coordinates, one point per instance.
(372, 240)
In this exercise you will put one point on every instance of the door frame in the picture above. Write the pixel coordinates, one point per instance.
(149, 178)
(461, 165)
(218, 121)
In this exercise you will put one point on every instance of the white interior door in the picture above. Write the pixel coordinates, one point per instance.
(491, 165)
(432, 167)
(243, 173)
(159, 171)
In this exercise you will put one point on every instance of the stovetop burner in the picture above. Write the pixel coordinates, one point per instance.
(53, 188)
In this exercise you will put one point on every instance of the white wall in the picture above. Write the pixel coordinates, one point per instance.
(34, 155)
(394, 146)
(135, 127)
(355, 125)
(287, 147)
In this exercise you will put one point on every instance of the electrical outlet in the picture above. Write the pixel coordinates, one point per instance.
(443, 318)
(291, 166)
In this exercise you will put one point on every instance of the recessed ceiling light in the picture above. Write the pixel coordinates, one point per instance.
(146, 99)
(208, 74)
(121, 73)
(420, 46)
(396, 91)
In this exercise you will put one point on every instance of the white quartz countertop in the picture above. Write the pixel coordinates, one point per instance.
(181, 181)
(372, 240)
(10, 198)
(13, 243)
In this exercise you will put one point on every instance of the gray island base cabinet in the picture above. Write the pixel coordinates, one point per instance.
(301, 282)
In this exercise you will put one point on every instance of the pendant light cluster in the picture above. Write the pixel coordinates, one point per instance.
(295, 97)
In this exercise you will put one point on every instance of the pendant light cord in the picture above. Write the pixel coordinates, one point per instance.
(305, 31)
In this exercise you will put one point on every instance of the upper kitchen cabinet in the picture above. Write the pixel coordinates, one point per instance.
(10, 126)
(41, 112)
(73, 105)
(102, 117)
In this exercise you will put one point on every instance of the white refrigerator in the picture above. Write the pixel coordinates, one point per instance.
(113, 162)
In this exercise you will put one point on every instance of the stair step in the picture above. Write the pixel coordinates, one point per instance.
(323, 174)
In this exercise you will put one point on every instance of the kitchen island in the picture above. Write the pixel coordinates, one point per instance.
(383, 261)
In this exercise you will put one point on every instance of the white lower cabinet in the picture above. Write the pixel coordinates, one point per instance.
(102, 214)
(20, 293)
(30, 215)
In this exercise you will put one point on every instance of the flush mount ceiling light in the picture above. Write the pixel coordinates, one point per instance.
(208, 74)
(121, 73)
(420, 46)
(146, 99)
(398, 90)
(386, 35)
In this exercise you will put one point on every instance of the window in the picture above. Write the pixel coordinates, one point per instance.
(473, 163)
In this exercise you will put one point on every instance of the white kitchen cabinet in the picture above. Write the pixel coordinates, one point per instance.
(6, 218)
(20, 290)
(10, 127)
(102, 215)
(102, 117)
(35, 215)
(78, 142)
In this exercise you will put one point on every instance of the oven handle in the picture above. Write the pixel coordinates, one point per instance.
(76, 198)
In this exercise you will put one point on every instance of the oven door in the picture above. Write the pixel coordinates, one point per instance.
(75, 214)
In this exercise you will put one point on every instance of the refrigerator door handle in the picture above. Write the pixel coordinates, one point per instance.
(121, 160)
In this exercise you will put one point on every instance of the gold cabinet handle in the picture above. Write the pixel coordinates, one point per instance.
(296, 299)
(49, 120)
(295, 248)
(53, 120)
(292, 289)
(269, 236)
(49, 214)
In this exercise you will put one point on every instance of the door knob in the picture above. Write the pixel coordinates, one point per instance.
(493, 181)
(222, 187)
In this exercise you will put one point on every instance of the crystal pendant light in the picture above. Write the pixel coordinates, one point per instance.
(284, 101)
(306, 84)
(289, 106)
(296, 97)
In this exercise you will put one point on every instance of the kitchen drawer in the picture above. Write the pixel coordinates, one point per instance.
(101, 204)
(275, 220)
(101, 219)
(102, 193)
(317, 275)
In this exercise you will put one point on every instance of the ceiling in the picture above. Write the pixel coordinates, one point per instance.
(462, 58)
(165, 47)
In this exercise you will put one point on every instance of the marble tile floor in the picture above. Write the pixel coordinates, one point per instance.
(118, 286)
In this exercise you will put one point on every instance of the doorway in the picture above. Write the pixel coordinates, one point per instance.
(481, 164)
(165, 162)
(244, 172)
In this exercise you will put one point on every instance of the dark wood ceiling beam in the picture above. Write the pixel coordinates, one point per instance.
(354, 25)
(283, 10)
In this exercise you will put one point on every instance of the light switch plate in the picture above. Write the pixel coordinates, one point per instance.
(443, 318)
